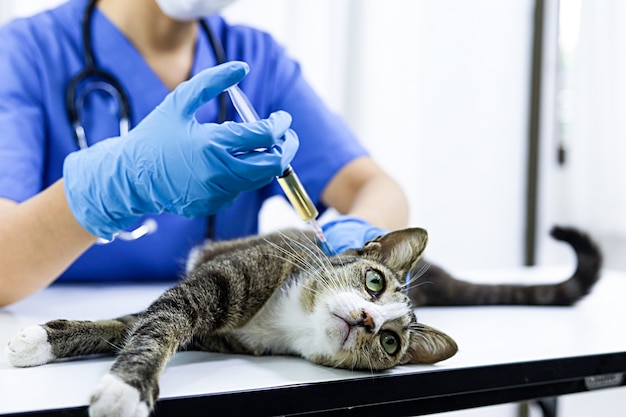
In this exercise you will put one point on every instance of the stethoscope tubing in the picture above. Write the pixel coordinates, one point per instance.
(92, 78)
(108, 83)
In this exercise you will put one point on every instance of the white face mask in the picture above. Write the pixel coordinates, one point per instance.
(191, 9)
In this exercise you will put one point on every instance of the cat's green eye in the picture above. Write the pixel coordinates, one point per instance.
(390, 342)
(374, 282)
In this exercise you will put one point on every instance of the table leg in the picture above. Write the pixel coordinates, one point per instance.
(548, 406)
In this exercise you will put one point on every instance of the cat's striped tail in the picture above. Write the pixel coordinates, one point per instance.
(437, 287)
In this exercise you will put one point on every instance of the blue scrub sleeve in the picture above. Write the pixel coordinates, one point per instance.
(21, 115)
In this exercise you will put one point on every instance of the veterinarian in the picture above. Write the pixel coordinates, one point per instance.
(117, 154)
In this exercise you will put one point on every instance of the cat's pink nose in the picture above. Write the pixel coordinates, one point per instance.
(367, 321)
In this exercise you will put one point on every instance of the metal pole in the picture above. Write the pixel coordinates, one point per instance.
(533, 134)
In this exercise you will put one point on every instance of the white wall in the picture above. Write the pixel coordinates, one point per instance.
(465, 127)
(588, 190)
(439, 98)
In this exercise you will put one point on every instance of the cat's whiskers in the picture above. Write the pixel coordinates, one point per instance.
(332, 281)
(303, 265)
(325, 270)
(355, 356)
(368, 356)
(113, 345)
(304, 248)
(292, 258)
(321, 267)
(317, 255)
(346, 362)
(419, 284)
(416, 276)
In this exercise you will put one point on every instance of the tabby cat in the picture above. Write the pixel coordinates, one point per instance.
(279, 294)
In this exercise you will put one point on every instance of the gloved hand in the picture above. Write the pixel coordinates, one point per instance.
(172, 163)
(349, 232)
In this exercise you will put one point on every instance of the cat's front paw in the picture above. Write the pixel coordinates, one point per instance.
(115, 398)
(30, 347)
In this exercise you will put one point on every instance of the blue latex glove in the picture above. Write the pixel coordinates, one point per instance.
(172, 163)
(349, 232)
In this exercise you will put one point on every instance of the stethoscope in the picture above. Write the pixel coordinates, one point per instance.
(92, 78)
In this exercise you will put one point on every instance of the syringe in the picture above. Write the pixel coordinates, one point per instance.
(289, 181)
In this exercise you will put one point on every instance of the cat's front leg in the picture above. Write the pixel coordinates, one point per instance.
(57, 339)
(131, 388)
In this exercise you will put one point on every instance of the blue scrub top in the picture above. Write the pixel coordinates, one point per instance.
(39, 56)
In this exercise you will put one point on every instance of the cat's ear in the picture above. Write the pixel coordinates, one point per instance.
(399, 250)
(428, 345)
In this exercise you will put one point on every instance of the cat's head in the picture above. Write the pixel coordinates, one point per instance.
(362, 317)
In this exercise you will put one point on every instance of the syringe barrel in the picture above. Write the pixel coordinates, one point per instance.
(297, 195)
(289, 181)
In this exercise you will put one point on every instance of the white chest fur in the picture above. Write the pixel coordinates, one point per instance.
(282, 326)
(285, 326)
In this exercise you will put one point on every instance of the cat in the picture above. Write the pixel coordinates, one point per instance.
(278, 294)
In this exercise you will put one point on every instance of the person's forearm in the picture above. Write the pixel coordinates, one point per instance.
(39, 239)
(364, 190)
(381, 202)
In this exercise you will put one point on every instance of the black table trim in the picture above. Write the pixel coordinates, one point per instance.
(419, 393)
